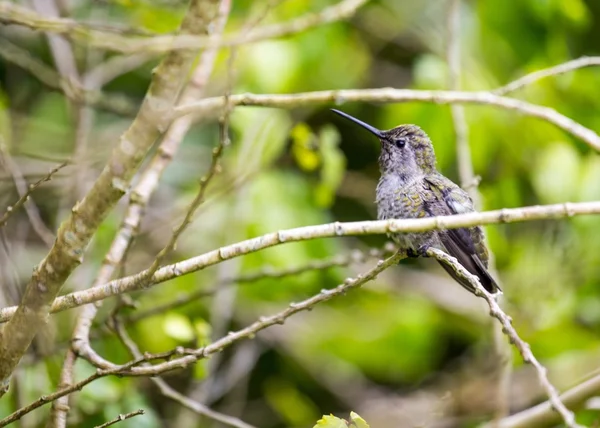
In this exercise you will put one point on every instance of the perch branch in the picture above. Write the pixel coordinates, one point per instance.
(584, 61)
(131, 283)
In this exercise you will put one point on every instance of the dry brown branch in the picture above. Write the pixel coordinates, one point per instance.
(13, 14)
(121, 418)
(76, 232)
(210, 106)
(131, 283)
(524, 349)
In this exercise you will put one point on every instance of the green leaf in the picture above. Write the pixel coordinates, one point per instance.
(357, 421)
(304, 147)
(334, 166)
(330, 421)
(178, 327)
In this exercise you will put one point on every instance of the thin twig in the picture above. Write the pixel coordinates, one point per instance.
(191, 356)
(24, 191)
(45, 399)
(523, 347)
(121, 418)
(209, 107)
(131, 283)
(213, 169)
(584, 61)
(355, 256)
(30, 189)
(13, 14)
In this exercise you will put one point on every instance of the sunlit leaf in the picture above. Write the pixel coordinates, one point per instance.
(330, 421)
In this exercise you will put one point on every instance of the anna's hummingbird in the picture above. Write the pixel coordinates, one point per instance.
(411, 187)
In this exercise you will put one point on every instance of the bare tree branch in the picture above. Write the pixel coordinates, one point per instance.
(524, 349)
(355, 256)
(24, 192)
(62, 53)
(76, 232)
(25, 195)
(121, 418)
(543, 414)
(209, 107)
(45, 399)
(584, 61)
(12, 14)
(191, 356)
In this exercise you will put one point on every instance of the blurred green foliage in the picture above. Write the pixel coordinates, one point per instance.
(410, 329)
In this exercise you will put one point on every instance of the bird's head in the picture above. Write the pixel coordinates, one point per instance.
(405, 150)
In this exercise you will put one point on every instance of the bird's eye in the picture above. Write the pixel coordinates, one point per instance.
(400, 142)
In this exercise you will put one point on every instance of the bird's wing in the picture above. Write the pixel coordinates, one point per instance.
(464, 244)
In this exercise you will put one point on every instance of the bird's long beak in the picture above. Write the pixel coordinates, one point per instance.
(368, 127)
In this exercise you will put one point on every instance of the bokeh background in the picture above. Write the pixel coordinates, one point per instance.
(409, 349)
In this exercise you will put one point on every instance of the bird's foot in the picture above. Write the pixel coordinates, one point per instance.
(411, 253)
(419, 252)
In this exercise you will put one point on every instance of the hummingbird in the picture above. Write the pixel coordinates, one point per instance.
(410, 186)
